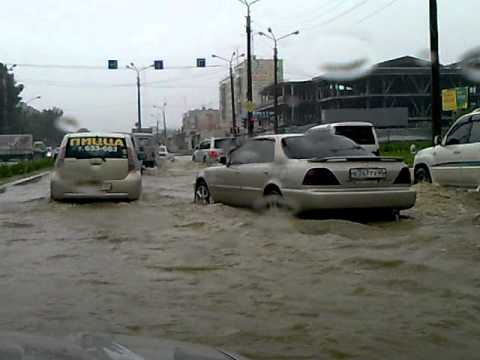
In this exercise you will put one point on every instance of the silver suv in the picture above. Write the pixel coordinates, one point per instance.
(212, 149)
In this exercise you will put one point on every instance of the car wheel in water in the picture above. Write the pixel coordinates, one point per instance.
(273, 199)
(422, 174)
(202, 193)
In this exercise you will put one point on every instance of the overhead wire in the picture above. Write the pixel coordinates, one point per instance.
(338, 16)
(376, 12)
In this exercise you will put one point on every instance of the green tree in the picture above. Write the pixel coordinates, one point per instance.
(9, 101)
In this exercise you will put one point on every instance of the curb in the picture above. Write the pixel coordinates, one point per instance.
(26, 180)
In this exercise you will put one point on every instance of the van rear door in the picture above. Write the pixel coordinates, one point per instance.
(94, 159)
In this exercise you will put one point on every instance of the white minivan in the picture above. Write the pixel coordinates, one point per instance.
(363, 133)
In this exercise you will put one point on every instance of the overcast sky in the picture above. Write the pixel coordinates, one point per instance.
(88, 32)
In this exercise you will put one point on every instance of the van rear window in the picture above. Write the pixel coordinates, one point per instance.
(362, 135)
(96, 147)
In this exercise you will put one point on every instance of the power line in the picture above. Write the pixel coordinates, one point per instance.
(340, 15)
(376, 12)
(325, 11)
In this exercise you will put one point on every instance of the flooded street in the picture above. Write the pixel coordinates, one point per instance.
(267, 286)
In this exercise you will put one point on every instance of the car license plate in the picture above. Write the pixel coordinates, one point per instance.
(106, 187)
(368, 174)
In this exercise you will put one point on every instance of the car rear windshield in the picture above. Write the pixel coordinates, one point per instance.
(225, 144)
(313, 146)
(362, 135)
(96, 147)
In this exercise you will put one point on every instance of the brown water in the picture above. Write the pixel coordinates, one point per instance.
(267, 286)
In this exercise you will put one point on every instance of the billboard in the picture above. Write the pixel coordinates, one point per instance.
(455, 99)
(449, 100)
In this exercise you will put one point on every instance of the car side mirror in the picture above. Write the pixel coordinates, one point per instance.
(223, 160)
(437, 140)
(413, 149)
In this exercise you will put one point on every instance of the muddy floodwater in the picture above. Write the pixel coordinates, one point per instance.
(267, 286)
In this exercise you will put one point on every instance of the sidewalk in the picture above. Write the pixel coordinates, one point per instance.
(25, 179)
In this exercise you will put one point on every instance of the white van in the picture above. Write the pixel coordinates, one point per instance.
(363, 133)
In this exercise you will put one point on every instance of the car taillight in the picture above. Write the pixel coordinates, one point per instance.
(319, 177)
(404, 177)
(61, 157)
(213, 154)
(131, 160)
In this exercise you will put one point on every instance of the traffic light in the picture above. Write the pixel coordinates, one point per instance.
(158, 64)
(201, 62)
(112, 64)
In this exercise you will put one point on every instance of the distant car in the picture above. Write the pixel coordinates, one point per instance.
(165, 154)
(96, 165)
(307, 172)
(39, 149)
(363, 133)
(211, 150)
(147, 148)
(455, 158)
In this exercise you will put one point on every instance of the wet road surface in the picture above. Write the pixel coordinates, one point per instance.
(267, 286)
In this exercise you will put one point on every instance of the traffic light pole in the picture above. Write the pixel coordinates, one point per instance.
(435, 59)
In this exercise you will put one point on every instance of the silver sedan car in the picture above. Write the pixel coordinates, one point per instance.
(307, 172)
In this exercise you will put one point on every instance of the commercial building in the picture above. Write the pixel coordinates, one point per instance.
(262, 76)
(202, 123)
(394, 94)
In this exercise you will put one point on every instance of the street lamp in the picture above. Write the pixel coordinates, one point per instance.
(24, 112)
(232, 87)
(275, 40)
(139, 106)
(249, 65)
(32, 99)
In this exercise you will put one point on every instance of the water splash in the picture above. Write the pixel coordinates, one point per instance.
(349, 57)
(470, 64)
(68, 124)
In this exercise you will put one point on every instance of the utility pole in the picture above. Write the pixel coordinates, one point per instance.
(164, 123)
(249, 75)
(275, 70)
(275, 88)
(249, 67)
(139, 105)
(232, 93)
(232, 87)
(435, 59)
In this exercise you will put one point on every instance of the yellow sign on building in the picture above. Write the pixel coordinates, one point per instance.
(449, 100)
(250, 106)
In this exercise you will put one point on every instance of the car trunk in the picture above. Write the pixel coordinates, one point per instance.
(94, 170)
(347, 172)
